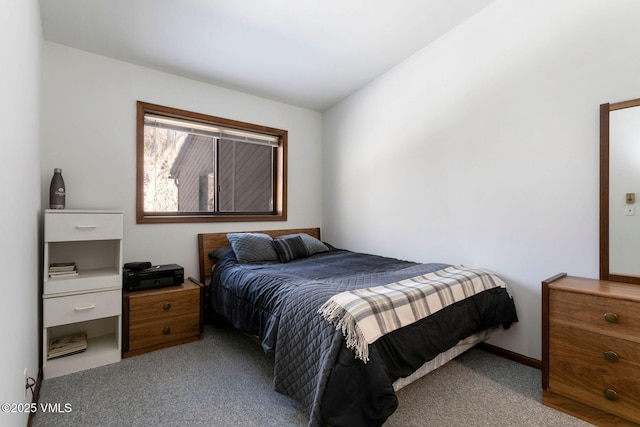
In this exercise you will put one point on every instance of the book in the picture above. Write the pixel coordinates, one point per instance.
(63, 273)
(57, 356)
(63, 269)
(67, 345)
(62, 266)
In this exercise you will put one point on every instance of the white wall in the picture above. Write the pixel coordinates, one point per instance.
(88, 129)
(482, 148)
(20, 39)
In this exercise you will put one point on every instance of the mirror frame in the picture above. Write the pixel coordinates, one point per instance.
(605, 110)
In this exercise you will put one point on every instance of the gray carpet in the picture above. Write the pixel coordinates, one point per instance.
(226, 380)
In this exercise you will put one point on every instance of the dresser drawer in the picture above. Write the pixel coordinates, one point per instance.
(62, 227)
(163, 305)
(589, 311)
(81, 307)
(614, 358)
(579, 369)
(164, 330)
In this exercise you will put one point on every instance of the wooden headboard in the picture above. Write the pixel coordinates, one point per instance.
(208, 242)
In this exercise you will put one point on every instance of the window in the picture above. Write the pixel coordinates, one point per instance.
(195, 168)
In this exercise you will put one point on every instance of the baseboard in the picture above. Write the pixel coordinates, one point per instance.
(516, 357)
(35, 397)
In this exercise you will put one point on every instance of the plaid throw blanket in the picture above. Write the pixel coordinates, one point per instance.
(364, 315)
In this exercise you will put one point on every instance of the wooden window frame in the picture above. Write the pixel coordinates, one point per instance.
(280, 197)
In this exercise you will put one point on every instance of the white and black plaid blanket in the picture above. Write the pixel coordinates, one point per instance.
(364, 315)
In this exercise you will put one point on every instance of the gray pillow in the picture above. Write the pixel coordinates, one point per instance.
(250, 247)
(313, 245)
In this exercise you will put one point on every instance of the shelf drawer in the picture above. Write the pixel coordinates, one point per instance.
(81, 307)
(146, 334)
(588, 311)
(163, 305)
(63, 227)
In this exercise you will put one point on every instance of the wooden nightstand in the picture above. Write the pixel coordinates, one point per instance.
(158, 318)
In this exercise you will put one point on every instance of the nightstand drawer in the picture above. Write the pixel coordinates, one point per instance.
(146, 334)
(64, 227)
(81, 307)
(163, 305)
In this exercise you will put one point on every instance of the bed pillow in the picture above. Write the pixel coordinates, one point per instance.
(250, 247)
(219, 253)
(290, 248)
(313, 245)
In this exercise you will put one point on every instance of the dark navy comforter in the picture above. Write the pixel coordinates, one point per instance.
(278, 302)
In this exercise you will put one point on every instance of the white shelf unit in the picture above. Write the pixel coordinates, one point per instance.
(91, 301)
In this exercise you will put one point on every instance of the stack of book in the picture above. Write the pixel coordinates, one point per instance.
(58, 269)
(67, 345)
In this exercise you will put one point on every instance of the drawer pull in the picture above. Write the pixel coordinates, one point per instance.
(611, 356)
(166, 306)
(611, 394)
(86, 307)
(85, 227)
(166, 330)
(611, 317)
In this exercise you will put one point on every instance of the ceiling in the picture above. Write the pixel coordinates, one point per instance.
(309, 53)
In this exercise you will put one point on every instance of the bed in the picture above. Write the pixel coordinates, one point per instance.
(302, 304)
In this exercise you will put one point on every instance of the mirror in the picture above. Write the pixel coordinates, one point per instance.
(619, 189)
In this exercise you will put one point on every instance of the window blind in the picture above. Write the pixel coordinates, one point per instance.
(212, 131)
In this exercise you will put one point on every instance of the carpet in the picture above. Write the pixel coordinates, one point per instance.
(226, 380)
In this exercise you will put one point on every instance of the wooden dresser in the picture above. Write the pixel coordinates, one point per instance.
(159, 318)
(591, 349)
